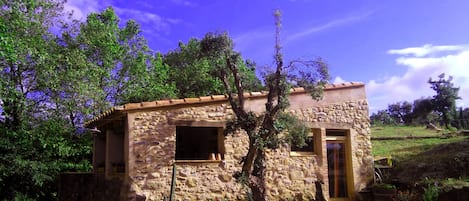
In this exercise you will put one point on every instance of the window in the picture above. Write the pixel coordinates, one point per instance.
(309, 147)
(312, 141)
(199, 143)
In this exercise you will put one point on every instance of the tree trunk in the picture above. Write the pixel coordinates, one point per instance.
(257, 187)
(256, 179)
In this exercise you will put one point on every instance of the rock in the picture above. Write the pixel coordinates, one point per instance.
(296, 175)
(191, 182)
(433, 127)
(225, 177)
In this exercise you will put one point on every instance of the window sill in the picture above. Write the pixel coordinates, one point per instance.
(301, 153)
(199, 161)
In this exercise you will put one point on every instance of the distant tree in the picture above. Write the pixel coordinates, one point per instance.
(444, 101)
(421, 109)
(461, 120)
(401, 112)
(382, 117)
(262, 129)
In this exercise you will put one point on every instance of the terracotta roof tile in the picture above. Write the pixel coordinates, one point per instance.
(191, 100)
(205, 98)
(297, 89)
(162, 102)
(130, 106)
(218, 97)
(176, 101)
(148, 104)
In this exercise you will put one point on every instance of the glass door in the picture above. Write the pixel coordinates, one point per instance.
(337, 168)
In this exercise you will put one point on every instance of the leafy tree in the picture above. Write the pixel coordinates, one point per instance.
(31, 159)
(194, 72)
(262, 129)
(382, 117)
(25, 40)
(422, 108)
(50, 82)
(401, 112)
(142, 75)
(444, 101)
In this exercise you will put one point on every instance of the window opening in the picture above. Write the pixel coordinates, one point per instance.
(198, 143)
(309, 147)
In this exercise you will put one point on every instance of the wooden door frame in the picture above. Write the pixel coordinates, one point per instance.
(348, 163)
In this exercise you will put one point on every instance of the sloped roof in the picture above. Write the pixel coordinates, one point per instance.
(203, 99)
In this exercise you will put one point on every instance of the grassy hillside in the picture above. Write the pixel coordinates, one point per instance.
(403, 131)
(400, 149)
(443, 159)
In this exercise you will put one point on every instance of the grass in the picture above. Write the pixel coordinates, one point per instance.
(402, 131)
(400, 149)
(419, 162)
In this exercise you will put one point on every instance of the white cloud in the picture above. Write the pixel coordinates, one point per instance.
(183, 2)
(422, 64)
(426, 50)
(328, 25)
(151, 21)
(81, 8)
(338, 80)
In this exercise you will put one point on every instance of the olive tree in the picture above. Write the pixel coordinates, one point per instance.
(262, 129)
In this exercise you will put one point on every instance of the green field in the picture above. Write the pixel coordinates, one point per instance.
(400, 149)
(404, 148)
(443, 160)
(403, 131)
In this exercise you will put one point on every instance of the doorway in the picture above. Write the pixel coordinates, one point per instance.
(339, 165)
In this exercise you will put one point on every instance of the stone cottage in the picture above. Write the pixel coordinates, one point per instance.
(138, 144)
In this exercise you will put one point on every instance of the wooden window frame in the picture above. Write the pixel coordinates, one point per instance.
(315, 133)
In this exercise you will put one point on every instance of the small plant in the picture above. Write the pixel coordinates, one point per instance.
(405, 196)
(430, 193)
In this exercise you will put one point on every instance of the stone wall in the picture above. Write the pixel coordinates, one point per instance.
(152, 149)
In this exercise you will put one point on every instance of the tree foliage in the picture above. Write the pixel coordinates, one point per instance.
(50, 82)
(441, 107)
(193, 70)
(444, 101)
(401, 112)
(31, 159)
(263, 129)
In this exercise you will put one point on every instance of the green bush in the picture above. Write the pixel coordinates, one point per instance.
(430, 193)
(32, 158)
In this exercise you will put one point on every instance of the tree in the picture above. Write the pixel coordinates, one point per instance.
(25, 40)
(194, 72)
(31, 159)
(263, 129)
(382, 117)
(422, 108)
(50, 82)
(444, 101)
(401, 112)
(142, 76)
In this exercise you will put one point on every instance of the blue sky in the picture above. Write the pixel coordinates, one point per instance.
(393, 47)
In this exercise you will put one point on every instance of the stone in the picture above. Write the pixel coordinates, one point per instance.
(225, 177)
(191, 182)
